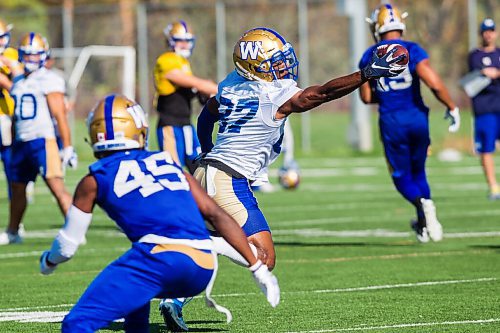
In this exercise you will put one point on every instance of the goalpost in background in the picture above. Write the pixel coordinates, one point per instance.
(83, 55)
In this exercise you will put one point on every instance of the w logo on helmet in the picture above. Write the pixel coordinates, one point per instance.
(250, 48)
(138, 115)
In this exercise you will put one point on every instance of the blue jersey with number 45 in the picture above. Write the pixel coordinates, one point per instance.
(147, 193)
(402, 92)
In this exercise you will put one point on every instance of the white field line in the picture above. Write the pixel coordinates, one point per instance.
(388, 187)
(374, 233)
(376, 218)
(370, 328)
(394, 256)
(354, 205)
(5, 311)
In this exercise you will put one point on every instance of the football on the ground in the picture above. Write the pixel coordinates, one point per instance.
(289, 178)
(400, 49)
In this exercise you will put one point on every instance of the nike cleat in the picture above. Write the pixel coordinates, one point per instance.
(172, 316)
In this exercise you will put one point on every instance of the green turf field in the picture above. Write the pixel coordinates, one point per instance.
(347, 259)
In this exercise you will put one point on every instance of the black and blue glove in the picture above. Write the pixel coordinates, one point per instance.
(384, 66)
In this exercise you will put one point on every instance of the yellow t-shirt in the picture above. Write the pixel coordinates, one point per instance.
(6, 101)
(164, 64)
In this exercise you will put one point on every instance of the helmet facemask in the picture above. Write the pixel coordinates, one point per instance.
(4, 41)
(282, 64)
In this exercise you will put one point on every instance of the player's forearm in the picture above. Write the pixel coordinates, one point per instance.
(442, 95)
(64, 132)
(314, 96)
(233, 234)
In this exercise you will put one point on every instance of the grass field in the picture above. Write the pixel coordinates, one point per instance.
(347, 259)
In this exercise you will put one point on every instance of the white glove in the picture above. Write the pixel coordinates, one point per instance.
(267, 282)
(45, 267)
(454, 117)
(69, 157)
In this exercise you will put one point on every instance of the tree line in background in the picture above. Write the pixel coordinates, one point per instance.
(439, 26)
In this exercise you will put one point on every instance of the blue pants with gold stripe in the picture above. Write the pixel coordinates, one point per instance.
(181, 142)
(125, 288)
(30, 158)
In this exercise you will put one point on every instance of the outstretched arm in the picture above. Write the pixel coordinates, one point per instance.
(180, 79)
(77, 223)
(314, 96)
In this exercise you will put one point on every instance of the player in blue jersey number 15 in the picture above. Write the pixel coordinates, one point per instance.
(160, 209)
(403, 118)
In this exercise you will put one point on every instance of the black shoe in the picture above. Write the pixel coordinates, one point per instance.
(172, 315)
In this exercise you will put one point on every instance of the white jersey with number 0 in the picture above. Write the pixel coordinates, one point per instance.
(250, 136)
(33, 119)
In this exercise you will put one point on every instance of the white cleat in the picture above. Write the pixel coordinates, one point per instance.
(7, 238)
(434, 228)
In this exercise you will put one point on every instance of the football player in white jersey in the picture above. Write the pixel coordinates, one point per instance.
(39, 96)
(251, 107)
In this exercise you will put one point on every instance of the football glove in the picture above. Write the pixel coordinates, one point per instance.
(46, 268)
(454, 117)
(380, 67)
(267, 282)
(69, 157)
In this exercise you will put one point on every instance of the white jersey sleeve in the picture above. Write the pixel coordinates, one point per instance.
(274, 95)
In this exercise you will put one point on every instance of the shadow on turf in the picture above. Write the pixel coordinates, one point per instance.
(301, 244)
(160, 328)
(491, 247)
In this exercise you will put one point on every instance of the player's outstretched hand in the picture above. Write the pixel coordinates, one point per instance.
(384, 66)
(454, 117)
(267, 282)
(46, 268)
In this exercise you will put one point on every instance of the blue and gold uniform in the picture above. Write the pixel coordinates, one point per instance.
(149, 198)
(164, 239)
(403, 122)
(174, 132)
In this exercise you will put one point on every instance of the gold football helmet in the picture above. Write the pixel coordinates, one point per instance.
(4, 35)
(33, 44)
(117, 123)
(180, 32)
(386, 18)
(262, 54)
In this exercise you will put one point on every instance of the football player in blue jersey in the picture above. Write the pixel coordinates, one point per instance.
(158, 207)
(486, 104)
(251, 106)
(403, 118)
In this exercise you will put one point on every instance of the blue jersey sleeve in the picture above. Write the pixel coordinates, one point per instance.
(417, 54)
